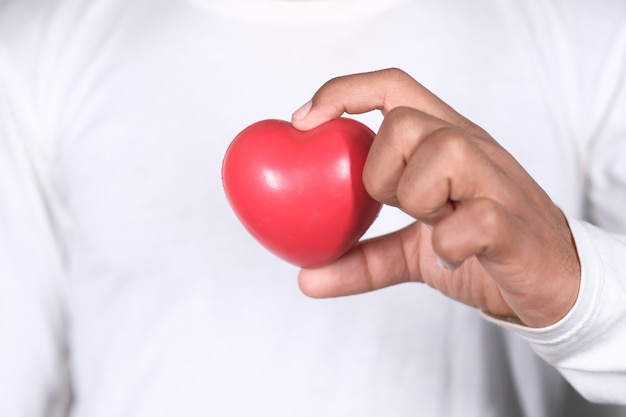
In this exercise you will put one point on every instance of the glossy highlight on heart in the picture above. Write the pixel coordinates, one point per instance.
(301, 193)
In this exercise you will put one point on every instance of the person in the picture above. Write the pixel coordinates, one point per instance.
(129, 288)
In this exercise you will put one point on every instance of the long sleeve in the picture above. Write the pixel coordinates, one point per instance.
(33, 359)
(587, 346)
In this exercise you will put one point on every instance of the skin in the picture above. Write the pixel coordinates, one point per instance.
(485, 233)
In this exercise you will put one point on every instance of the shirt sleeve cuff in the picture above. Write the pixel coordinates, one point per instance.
(551, 341)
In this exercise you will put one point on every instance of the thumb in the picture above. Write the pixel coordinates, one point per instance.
(372, 264)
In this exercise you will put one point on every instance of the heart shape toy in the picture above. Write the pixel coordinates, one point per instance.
(301, 193)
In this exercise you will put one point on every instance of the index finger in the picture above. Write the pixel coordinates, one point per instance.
(381, 90)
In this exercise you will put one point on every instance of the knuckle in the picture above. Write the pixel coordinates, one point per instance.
(443, 244)
(378, 189)
(400, 115)
(451, 143)
(474, 232)
(396, 75)
(487, 217)
(400, 125)
(372, 185)
(408, 201)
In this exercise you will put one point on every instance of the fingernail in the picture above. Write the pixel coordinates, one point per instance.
(430, 226)
(302, 111)
(444, 264)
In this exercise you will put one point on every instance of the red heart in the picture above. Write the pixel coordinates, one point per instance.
(301, 194)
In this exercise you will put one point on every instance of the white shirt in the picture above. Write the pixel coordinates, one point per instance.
(125, 276)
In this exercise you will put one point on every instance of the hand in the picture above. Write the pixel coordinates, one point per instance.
(486, 234)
